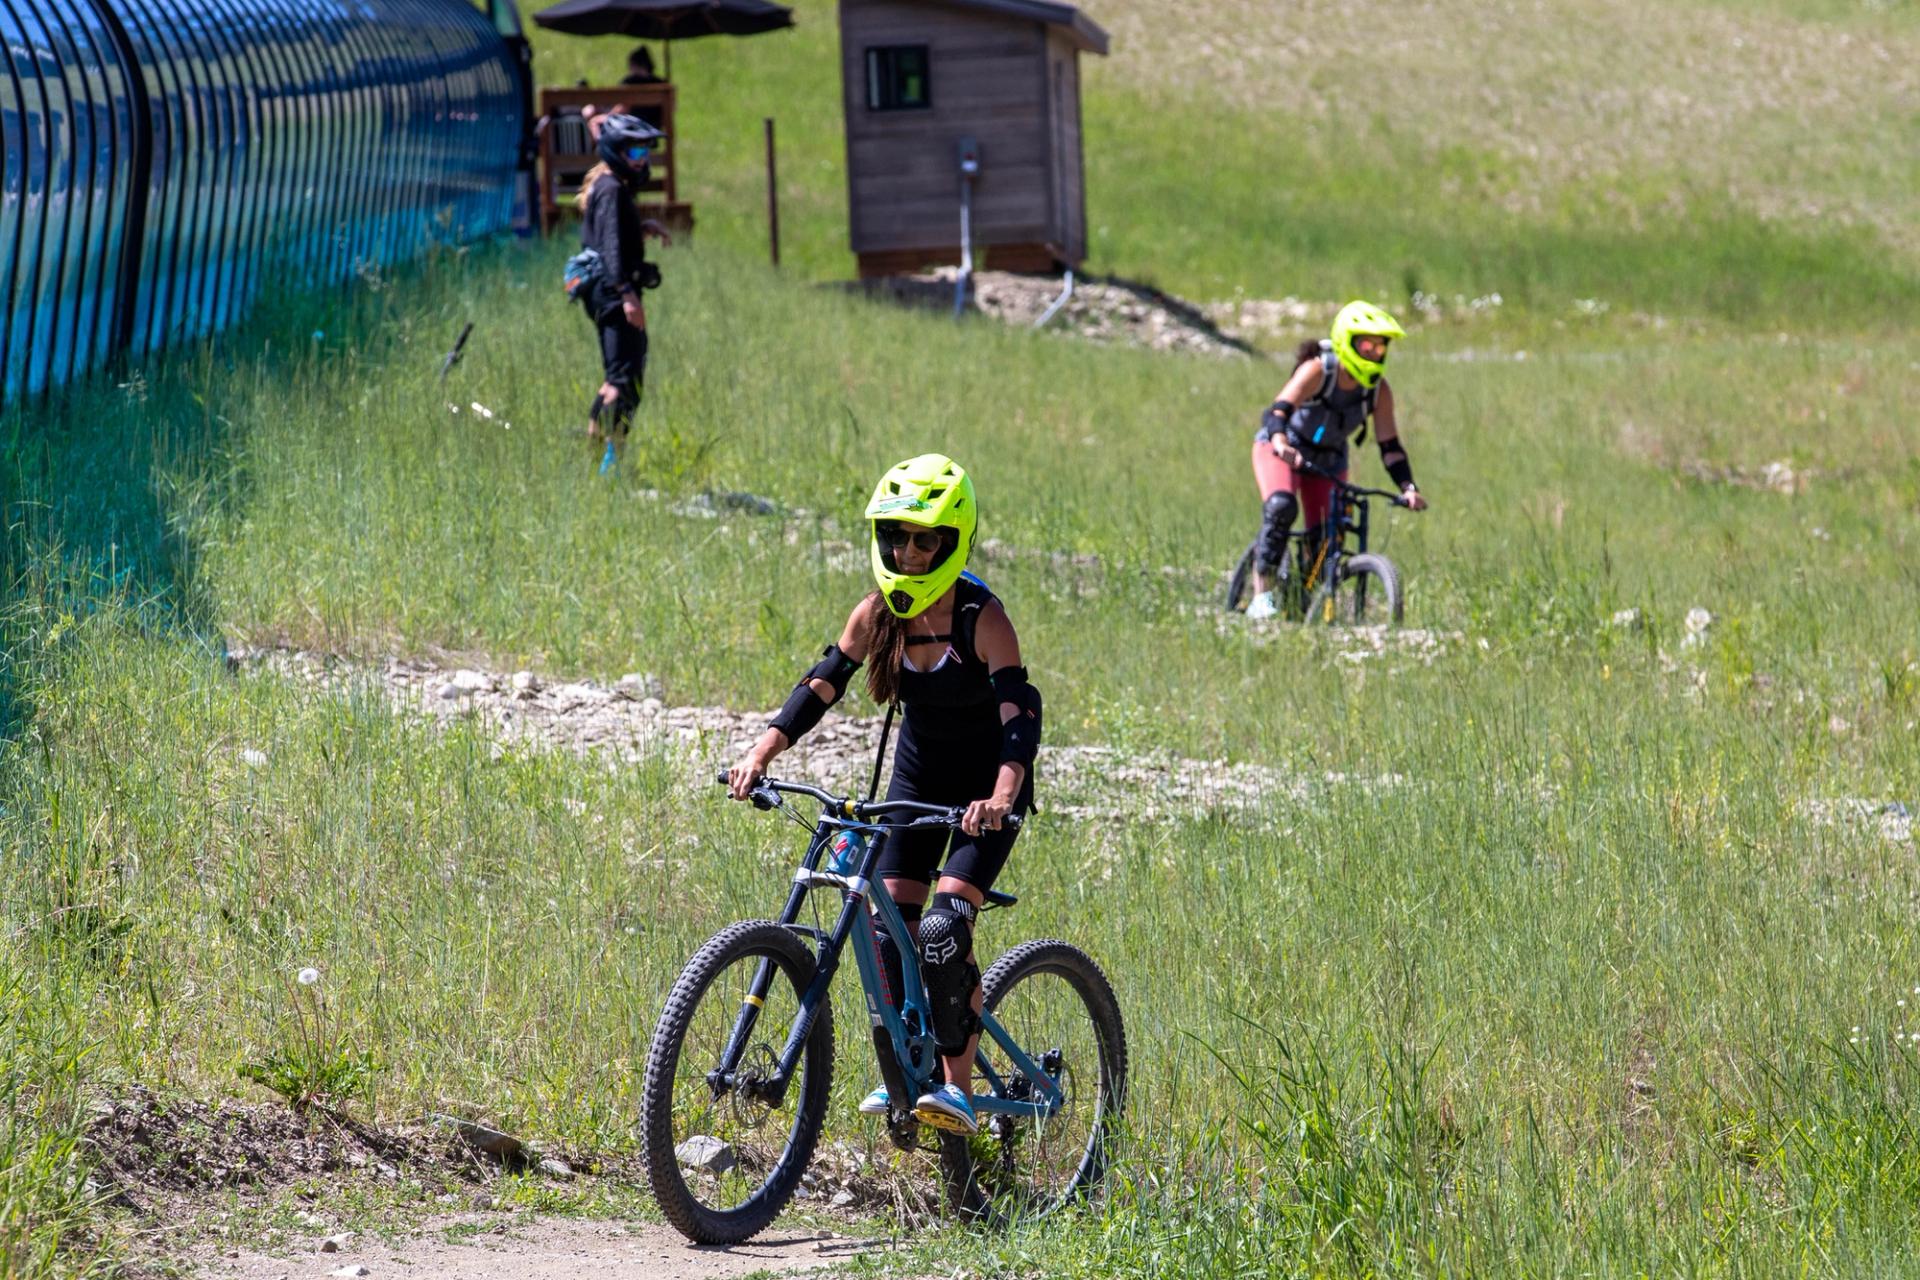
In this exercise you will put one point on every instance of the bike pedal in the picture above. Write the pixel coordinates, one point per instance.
(942, 1121)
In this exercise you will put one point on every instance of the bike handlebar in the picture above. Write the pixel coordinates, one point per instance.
(1396, 499)
(935, 815)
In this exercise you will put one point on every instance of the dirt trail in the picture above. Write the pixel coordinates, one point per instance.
(547, 1249)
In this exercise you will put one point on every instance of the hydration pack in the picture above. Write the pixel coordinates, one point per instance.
(1323, 399)
(582, 269)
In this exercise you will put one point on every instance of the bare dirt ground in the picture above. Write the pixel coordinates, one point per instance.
(469, 1248)
(320, 1194)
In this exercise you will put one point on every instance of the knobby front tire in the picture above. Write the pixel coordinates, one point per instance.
(1240, 584)
(1052, 998)
(768, 1148)
(1371, 584)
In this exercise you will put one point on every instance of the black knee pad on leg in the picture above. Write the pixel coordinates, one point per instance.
(946, 962)
(890, 952)
(1277, 517)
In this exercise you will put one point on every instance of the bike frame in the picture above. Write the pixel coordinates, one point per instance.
(1347, 512)
(909, 1029)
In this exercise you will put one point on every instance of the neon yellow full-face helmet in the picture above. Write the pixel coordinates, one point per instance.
(1355, 319)
(931, 491)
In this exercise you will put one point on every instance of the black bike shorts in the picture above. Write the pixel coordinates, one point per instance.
(934, 772)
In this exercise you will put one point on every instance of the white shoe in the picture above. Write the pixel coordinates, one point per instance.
(1261, 606)
(875, 1103)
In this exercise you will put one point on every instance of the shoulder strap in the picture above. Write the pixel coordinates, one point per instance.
(972, 598)
(1329, 377)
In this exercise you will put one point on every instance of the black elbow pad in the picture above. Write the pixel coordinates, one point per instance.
(1020, 735)
(804, 707)
(836, 668)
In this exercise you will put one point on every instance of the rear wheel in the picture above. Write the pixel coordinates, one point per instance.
(1056, 1004)
(723, 1158)
(1371, 584)
(1240, 585)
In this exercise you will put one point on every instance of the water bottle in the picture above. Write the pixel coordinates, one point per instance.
(845, 853)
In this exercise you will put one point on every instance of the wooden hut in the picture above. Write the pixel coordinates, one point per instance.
(921, 79)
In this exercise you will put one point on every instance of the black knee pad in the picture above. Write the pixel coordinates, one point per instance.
(1277, 517)
(946, 962)
(890, 952)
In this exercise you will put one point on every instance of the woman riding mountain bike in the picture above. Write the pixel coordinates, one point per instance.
(1335, 389)
(942, 648)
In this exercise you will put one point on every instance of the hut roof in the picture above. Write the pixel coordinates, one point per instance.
(1084, 31)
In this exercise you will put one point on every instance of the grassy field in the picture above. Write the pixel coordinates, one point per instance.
(1597, 975)
(1751, 160)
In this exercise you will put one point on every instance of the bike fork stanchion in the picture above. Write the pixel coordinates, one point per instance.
(750, 1006)
(817, 994)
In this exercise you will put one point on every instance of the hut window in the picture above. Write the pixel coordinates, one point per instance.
(897, 78)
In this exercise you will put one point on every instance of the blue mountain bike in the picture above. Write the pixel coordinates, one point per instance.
(737, 1081)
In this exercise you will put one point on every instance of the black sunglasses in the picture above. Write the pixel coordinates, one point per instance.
(898, 535)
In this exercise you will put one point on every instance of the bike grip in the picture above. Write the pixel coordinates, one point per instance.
(725, 778)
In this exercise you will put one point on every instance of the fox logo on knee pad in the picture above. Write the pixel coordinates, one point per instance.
(946, 942)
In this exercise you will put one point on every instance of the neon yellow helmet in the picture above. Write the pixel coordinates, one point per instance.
(1355, 319)
(934, 492)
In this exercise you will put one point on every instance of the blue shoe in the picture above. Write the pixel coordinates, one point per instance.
(875, 1103)
(607, 459)
(947, 1108)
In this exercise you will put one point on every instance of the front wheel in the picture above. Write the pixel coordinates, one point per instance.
(1056, 1004)
(723, 1156)
(1371, 584)
(1240, 585)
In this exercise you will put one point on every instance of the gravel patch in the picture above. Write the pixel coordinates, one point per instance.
(627, 722)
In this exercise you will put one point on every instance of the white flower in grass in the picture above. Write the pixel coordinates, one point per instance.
(307, 976)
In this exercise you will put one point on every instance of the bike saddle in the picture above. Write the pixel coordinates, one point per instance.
(997, 899)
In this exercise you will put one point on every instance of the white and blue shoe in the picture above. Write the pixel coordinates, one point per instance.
(1261, 607)
(948, 1108)
(875, 1103)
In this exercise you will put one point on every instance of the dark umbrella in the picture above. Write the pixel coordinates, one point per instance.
(667, 20)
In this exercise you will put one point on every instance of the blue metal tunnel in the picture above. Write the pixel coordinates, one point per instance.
(168, 161)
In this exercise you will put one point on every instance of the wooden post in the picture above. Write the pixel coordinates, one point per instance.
(773, 198)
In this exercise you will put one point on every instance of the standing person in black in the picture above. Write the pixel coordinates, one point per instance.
(612, 227)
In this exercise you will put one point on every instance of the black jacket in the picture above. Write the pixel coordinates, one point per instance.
(611, 227)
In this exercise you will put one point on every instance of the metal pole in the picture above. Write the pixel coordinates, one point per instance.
(966, 247)
(773, 198)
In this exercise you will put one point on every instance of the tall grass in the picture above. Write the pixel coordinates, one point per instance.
(1567, 982)
(1557, 966)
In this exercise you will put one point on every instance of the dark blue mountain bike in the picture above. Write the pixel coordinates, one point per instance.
(738, 1075)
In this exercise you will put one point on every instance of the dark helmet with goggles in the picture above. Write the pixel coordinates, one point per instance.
(625, 143)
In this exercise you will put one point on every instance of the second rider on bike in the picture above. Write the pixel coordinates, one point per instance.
(1335, 389)
(942, 647)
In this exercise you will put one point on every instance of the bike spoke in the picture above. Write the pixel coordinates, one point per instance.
(1028, 1165)
(727, 1138)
